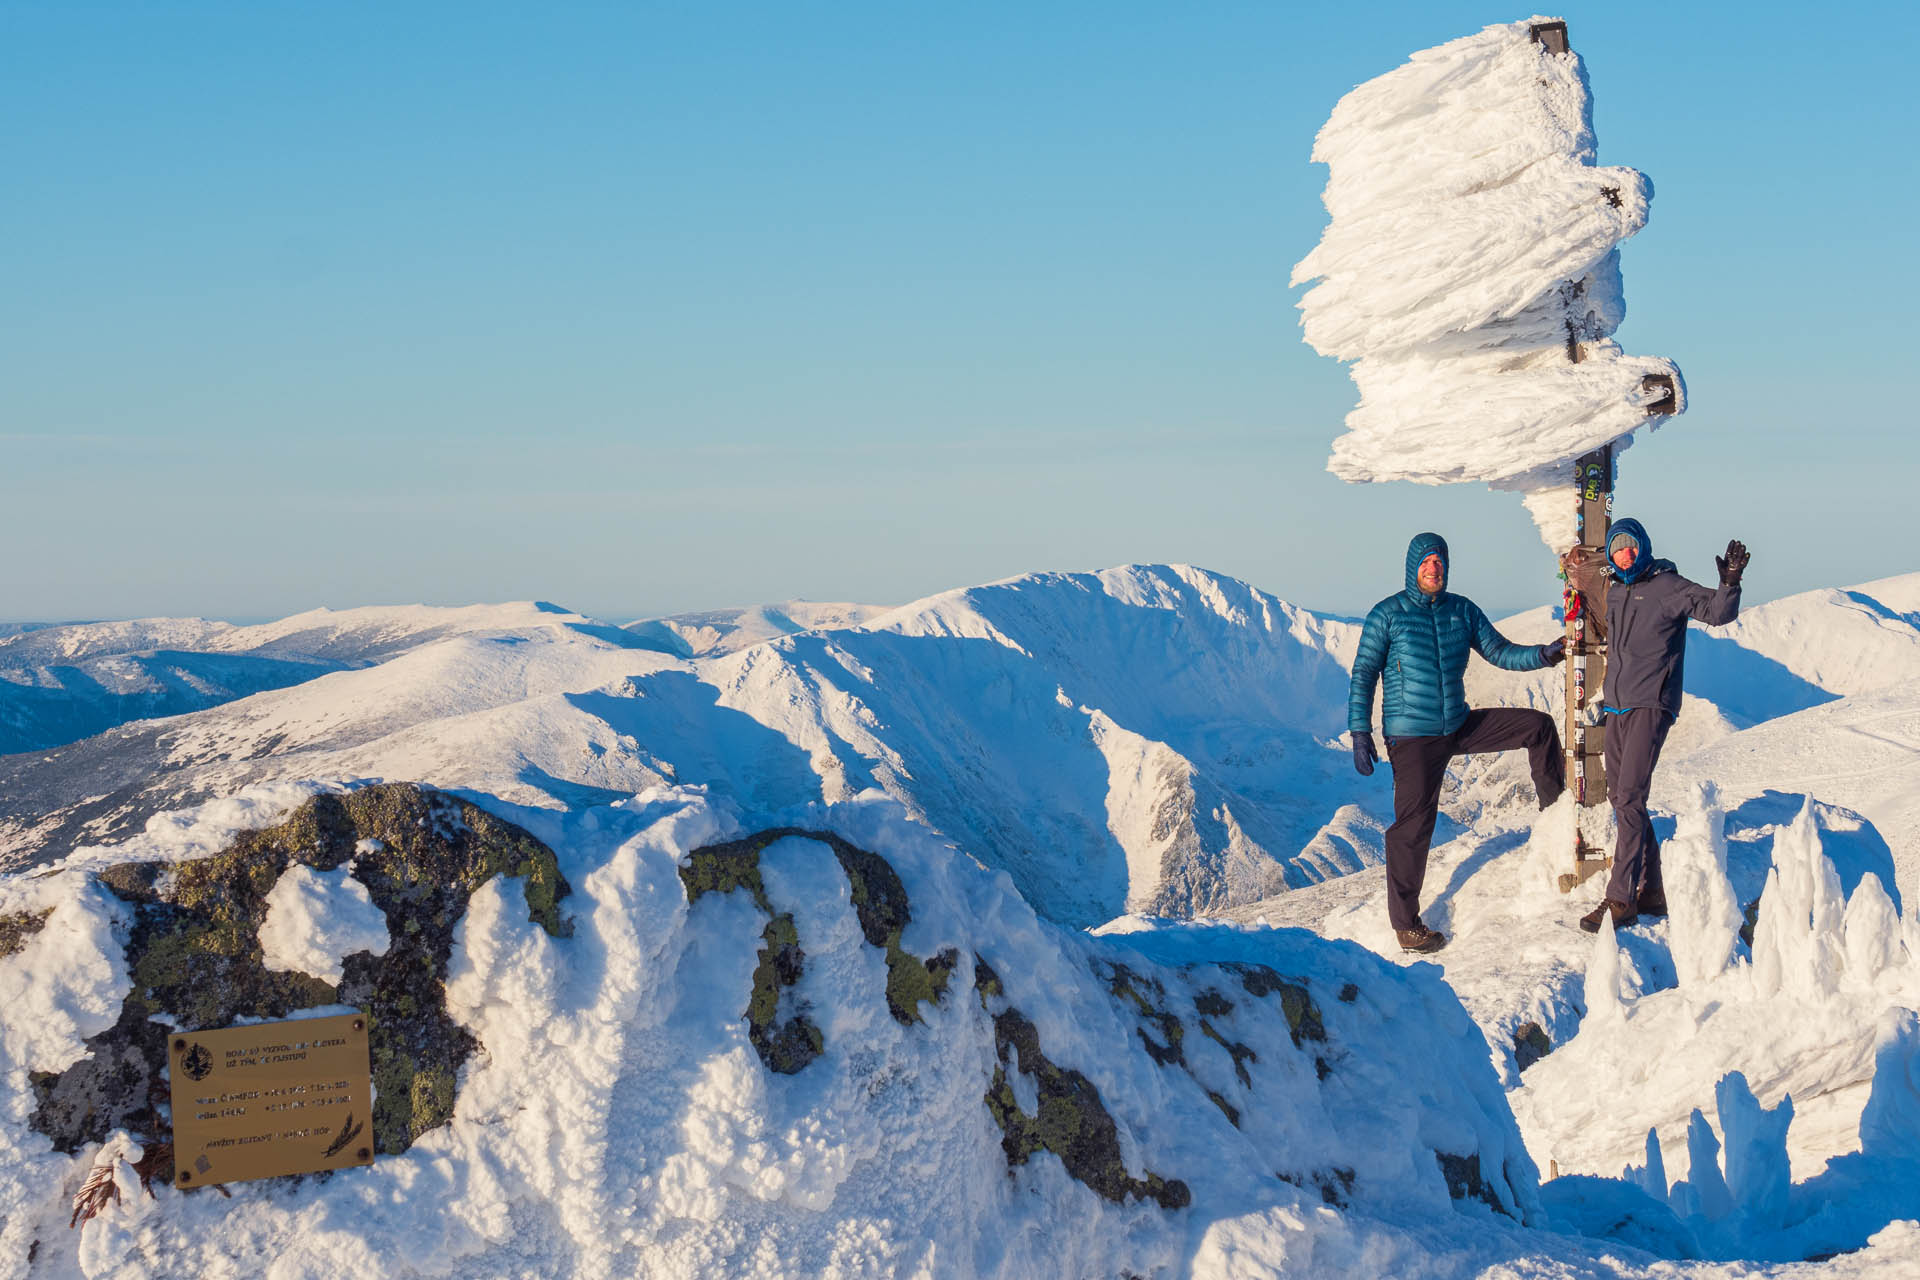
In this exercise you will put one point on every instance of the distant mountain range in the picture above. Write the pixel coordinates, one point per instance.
(1150, 739)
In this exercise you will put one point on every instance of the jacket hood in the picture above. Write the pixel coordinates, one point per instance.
(1643, 549)
(1422, 546)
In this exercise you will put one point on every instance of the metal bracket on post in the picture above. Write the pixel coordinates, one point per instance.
(1551, 36)
(1669, 394)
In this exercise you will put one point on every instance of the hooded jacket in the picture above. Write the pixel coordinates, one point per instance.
(1418, 645)
(1646, 631)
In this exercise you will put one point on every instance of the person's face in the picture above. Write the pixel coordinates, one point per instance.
(1623, 556)
(1432, 575)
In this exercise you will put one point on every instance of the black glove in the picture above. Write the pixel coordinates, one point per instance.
(1732, 564)
(1555, 653)
(1364, 755)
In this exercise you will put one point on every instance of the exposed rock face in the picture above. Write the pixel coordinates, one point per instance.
(17, 930)
(1530, 1044)
(1071, 1120)
(787, 1044)
(195, 960)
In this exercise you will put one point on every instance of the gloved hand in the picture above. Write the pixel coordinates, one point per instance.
(1364, 755)
(1555, 653)
(1732, 564)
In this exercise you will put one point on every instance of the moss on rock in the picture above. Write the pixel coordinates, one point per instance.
(1303, 1015)
(18, 929)
(1240, 1053)
(1464, 1181)
(194, 953)
(1335, 1185)
(880, 903)
(1211, 1004)
(1148, 998)
(1530, 1044)
(1072, 1121)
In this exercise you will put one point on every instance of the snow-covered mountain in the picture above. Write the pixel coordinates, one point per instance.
(718, 631)
(1149, 739)
(62, 683)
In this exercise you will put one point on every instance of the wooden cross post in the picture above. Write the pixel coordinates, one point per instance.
(1584, 600)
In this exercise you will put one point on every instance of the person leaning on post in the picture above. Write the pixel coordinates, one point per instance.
(1648, 606)
(1417, 642)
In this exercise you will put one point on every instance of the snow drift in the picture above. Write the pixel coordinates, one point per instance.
(832, 1048)
(1471, 273)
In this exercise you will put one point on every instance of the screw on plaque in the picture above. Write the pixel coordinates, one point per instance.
(184, 1176)
(178, 1045)
(359, 1024)
(365, 1153)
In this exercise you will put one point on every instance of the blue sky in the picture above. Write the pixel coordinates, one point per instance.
(648, 308)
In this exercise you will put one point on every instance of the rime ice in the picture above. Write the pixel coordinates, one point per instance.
(1473, 250)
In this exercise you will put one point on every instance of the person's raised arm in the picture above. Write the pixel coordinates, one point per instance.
(1717, 608)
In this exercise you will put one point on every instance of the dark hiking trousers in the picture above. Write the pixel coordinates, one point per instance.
(1420, 765)
(1634, 739)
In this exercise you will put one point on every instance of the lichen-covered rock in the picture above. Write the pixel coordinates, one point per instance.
(195, 960)
(777, 1023)
(1530, 1044)
(1072, 1121)
(18, 929)
(1464, 1181)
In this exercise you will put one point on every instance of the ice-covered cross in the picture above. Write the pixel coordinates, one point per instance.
(1471, 272)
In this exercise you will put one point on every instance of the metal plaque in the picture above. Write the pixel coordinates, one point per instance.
(271, 1099)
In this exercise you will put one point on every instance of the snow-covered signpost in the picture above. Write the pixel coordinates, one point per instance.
(1471, 273)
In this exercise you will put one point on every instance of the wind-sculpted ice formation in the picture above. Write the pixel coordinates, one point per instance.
(1471, 272)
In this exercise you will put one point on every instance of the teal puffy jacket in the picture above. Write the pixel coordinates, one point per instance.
(1419, 644)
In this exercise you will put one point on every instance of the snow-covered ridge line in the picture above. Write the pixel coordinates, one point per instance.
(715, 632)
(1146, 738)
(62, 683)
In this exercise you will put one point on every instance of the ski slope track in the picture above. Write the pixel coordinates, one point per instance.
(1151, 750)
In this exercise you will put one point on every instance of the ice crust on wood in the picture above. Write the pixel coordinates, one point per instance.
(1473, 242)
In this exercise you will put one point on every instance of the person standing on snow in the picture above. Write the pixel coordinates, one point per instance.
(1418, 641)
(1648, 605)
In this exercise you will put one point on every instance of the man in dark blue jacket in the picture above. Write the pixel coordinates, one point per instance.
(1648, 606)
(1417, 642)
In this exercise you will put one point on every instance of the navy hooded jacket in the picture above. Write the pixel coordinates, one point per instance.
(1648, 607)
(1418, 645)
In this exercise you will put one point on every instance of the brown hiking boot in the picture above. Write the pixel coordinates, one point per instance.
(1420, 938)
(1652, 902)
(1623, 915)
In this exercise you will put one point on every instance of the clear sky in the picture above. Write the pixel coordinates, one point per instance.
(646, 308)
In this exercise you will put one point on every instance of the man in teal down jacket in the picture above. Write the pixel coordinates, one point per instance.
(1417, 642)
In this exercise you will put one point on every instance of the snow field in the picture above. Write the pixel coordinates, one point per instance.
(619, 1122)
(1679, 1028)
